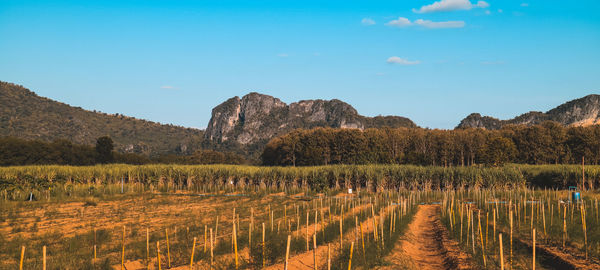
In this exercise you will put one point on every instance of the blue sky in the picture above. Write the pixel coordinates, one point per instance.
(434, 62)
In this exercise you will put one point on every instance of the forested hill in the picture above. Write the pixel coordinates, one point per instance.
(24, 114)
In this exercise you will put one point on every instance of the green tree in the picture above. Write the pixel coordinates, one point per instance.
(500, 150)
(104, 148)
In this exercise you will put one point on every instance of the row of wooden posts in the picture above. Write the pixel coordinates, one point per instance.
(212, 238)
(515, 209)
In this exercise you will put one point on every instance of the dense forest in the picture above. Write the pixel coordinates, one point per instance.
(547, 143)
(16, 151)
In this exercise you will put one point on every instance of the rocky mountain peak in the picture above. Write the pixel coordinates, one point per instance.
(256, 118)
(579, 112)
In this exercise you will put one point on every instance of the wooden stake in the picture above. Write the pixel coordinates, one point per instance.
(168, 249)
(328, 256)
(44, 257)
(481, 236)
(315, 251)
(147, 247)
(501, 252)
(123, 251)
(350, 260)
(306, 237)
(287, 252)
(192, 259)
(158, 255)
(511, 236)
(211, 249)
(263, 245)
(205, 227)
(362, 239)
(584, 227)
(341, 235)
(22, 255)
(533, 249)
(235, 246)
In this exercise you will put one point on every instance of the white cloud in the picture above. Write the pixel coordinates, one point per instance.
(482, 4)
(400, 22)
(447, 24)
(404, 22)
(282, 55)
(451, 5)
(401, 61)
(524, 4)
(167, 87)
(487, 12)
(367, 21)
(500, 10)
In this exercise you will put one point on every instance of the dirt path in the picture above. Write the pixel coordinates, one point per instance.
(427, 244)
(304, 261)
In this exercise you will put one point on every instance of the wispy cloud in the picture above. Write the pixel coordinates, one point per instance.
(451, 5)
(167, 87)
(367, 21)
(282, 55)
(401, 61)
(404, 22)
(400, 22)
(524, 4)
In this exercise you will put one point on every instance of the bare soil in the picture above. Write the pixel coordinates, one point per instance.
(427, 246)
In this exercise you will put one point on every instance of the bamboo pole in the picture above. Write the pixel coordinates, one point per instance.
(584, 228)
(328, 256)
(147, 247)
(494, 214)
(533, 234)
(306, 236)
(168, 249)
(481, 237)
(158, 255)
(315, 251)
(350, 260)
(501, 252)
(235, 245)
(511, 236)
(205, 227)
(564, 226)
(341, 234)
(211, 249)
(193, 249)
(263, 245)
(287, 252)
(123, 250)
(44, 257)
(216, 229)
(22, 256)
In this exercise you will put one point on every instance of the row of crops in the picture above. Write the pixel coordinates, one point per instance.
(373, 177)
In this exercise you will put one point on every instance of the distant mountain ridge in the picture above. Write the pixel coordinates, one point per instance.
(256, 118)
(243, 125)
(24, 114)
(584, 111)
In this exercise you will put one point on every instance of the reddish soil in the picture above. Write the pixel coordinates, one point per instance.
(427, 245)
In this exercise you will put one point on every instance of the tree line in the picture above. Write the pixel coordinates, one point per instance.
(547, 143)
(18, 152)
